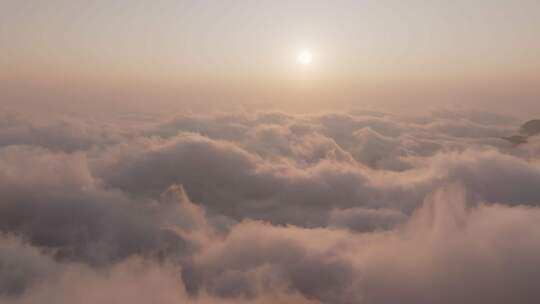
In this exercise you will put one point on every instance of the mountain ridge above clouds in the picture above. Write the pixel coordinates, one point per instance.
(531, 127)
(526, 130)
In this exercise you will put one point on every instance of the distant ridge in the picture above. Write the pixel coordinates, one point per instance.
(528, 129)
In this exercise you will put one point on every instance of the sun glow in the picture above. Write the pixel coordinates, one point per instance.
(305, 57)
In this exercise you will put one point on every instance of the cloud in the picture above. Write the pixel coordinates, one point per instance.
(56, 132)
(269, 207)
(51, 200)
(365, 219)
(21, 265)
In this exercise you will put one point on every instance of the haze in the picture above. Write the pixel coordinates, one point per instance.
(244, 51)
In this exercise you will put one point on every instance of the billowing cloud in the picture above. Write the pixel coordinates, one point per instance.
(270, 207)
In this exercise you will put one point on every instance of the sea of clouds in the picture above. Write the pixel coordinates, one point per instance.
(268, 207)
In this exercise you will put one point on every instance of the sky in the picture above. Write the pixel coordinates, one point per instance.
(365, 52)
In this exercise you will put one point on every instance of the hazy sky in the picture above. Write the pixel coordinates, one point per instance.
(224, 50)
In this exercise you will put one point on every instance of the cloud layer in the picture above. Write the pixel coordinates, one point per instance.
(269, 207)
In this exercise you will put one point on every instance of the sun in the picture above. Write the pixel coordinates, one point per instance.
(305, 57)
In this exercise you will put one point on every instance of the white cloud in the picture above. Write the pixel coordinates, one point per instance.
(269, 207)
